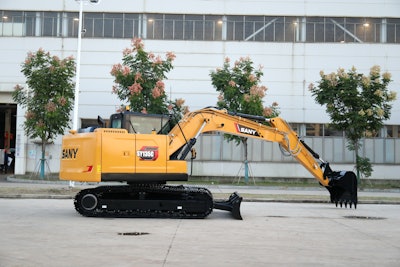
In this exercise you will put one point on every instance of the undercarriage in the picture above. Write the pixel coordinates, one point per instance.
(152, 201)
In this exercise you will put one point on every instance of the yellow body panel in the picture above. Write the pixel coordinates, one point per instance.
(117, 151)
(116, 155)
(80, 158)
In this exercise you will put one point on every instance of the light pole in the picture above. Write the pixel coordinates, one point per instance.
(78, 63)
(78, 70)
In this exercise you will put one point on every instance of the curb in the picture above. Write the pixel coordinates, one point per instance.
(35, 196)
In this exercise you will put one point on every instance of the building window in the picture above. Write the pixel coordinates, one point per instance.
(72, 21)
(131, 26)
(113, 25)
(192, 24)
(184, 27)
(393, 131)
(235, 25)
(30, 23)
(12, 23)
(50, 25)
(393, 30)
(202, 27)
(93, 25)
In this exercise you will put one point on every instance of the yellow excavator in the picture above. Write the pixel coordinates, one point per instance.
(144, 151)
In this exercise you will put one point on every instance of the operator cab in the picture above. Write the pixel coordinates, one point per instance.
(140, 123)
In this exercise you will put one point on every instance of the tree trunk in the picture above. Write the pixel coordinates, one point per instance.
(246, 163)
(42, 159)
(356, 146)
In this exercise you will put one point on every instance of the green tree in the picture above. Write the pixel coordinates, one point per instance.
(240, 91)
(139, 80)
(48, 97)
(357, 104)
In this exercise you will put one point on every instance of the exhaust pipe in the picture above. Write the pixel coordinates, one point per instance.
(232, 205)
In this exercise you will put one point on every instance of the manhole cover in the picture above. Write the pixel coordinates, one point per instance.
(364, 217)
(133, 233)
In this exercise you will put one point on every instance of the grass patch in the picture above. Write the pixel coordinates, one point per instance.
(39, 191)
(365, 184)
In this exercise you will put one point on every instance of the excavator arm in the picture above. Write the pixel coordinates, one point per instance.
(342, 185)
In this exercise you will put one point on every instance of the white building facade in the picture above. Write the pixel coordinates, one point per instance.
(293, 40)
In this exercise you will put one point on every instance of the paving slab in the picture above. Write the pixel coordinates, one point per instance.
(48, 232)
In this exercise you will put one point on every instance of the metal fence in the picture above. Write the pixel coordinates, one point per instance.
(332, 149)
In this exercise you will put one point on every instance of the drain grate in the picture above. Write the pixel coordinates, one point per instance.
(133, 233)
(364, 218)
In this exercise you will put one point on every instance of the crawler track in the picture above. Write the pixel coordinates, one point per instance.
(145, 201)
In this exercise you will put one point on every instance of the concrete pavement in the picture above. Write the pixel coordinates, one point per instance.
(44, 232)
(278, 229)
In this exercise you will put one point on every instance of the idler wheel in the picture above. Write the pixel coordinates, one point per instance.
(89, 202)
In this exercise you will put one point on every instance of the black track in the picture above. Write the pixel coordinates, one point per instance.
(145, 201)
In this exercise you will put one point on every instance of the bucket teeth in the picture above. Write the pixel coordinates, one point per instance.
(341, 203)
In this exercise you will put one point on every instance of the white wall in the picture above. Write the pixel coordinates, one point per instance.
(288, 70)
(288, 67)
(340, 8)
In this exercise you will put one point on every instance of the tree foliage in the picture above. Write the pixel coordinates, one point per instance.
(357, 104)
(240, 90)
(139, 80)
(49, 96)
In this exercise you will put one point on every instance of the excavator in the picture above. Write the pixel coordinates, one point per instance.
(145, 151)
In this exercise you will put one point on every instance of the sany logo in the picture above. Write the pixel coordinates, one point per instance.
(245, 130)
(69, 153)
(148, 153)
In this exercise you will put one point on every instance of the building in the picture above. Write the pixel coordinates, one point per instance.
(293, 40)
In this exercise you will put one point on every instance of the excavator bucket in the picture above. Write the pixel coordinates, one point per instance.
(232, 205)
(343, 188)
